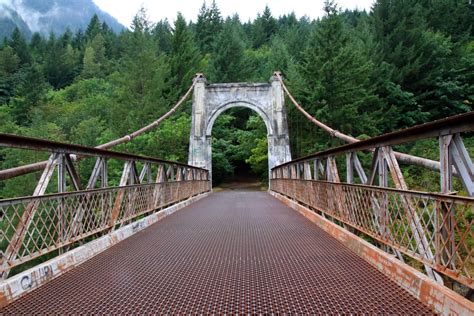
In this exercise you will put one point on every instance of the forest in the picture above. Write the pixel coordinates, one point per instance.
(363, 73)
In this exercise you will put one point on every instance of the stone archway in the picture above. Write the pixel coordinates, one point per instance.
(211, 100)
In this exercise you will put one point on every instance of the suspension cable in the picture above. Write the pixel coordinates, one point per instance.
(22, 170)
(405, 158)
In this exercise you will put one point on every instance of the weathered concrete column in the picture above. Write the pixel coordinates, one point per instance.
(209, 101)
(198, 154)
(279, 142)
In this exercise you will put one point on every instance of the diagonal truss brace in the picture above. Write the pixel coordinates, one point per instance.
(64, 165)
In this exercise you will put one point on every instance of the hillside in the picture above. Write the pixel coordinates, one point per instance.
(44, 16)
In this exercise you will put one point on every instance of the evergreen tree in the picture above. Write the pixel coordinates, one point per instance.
(162, 36)
(19, 45)
(94, 28)
(184, 59)
(451, 17)
(9, 61)
(295, 34)
(9, 65)
(94, 60)
(209, 23)
(419, 62)
(29, 93)
(62, 62)
(264, 28)
(90, 67)
(228, 63)
(336, 74)
(37, 48)
(143, 79)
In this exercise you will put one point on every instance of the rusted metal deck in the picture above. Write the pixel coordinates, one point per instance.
(232, 252)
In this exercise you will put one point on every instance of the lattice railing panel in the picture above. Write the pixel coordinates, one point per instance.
(62, 219)
(420, 225)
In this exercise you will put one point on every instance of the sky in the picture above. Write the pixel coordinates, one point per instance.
(124, 10)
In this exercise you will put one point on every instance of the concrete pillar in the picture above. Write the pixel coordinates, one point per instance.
(198, 153)
(210, 100)
(279, 143)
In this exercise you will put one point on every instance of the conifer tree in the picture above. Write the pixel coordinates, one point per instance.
(228, 63)
(19, 45)
(184, 59)
(336, 74)
(422, 64)
(162, 36)
(209, 24)
(264, 28)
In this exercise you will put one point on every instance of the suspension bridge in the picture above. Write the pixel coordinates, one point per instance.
(156, 239)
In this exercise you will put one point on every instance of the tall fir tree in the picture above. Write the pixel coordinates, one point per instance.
(420, 63)
(19, 45)
(336, 75)
(184, 59)
(228, 63)
(209, 23)
(162, 36)
(264, 27)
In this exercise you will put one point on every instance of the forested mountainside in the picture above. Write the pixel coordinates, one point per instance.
(45, 16)
(364, 73)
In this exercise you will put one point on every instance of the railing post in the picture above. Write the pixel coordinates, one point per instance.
(316, 169)
(445, 230)
(383, 177)
(350, 167)
(359, 169)
(307, 170)
(145, 174)
(293, 171)
(61, 225)
(127, 170)
(328, 170)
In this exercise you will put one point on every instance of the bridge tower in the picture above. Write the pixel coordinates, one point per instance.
(211, 100)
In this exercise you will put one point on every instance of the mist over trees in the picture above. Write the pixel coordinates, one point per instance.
(363, 73)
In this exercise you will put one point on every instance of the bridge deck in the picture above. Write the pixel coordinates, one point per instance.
(230, 252)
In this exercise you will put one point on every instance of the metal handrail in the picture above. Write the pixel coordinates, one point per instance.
(22, 142)
(451, 125)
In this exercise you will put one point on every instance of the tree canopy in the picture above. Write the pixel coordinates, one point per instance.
(363, 73)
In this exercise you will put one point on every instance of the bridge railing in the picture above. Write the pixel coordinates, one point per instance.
(52, 222)
(434, 229)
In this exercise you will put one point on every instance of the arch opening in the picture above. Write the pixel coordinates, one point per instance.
(211, 100)
(238, 139)
(238, 104)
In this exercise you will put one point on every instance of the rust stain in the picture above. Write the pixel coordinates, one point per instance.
(441, 299)
(3, 300)
(69, 261)
(230, 254)
(62, 267)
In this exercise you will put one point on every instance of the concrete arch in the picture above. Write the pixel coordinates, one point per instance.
(235, 104)
(211, 100)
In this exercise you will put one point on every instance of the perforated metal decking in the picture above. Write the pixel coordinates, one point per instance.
(232, 252)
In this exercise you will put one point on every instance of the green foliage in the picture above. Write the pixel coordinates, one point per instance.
(228, 62)
(171, 140)
(184, 59)
(334, 81)
(403, 63)
(263, 28)
(209, 23)
(239, 142)
(30, 93)
(421, 60)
